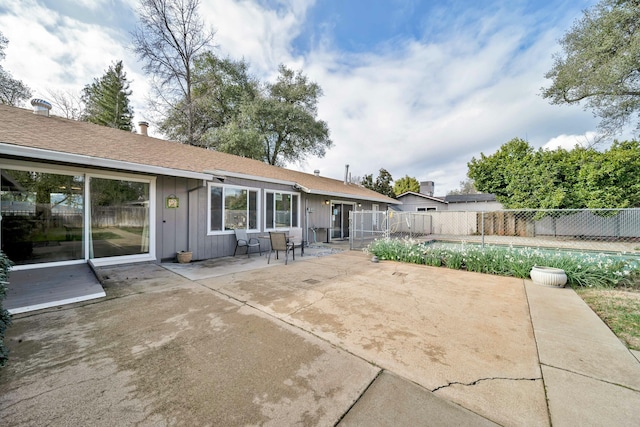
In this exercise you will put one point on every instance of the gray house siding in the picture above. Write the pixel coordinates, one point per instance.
(475, 206)
(172, 233)
(411, 203)
(313, 213)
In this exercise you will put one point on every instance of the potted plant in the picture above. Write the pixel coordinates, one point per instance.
(548, 276)
(184, 257)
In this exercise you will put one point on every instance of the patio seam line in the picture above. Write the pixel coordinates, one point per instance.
(484, 379)
(590, 377)
(282, 319)
(370, 362)
(380, 371)
(535, 340)
(27, 398)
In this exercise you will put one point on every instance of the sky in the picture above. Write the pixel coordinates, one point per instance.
(416, 87)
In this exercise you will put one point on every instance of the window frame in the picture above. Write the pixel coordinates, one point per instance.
(270, 227)
(211, 185)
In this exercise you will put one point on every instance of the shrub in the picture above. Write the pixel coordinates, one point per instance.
(582, 269)
(5, 317)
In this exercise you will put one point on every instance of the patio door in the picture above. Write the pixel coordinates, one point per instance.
(340, 220)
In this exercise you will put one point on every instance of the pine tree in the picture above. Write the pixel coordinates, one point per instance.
(107, 100)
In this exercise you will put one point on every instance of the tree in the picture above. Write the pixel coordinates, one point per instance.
(405, 184)
(524, 178)
(221, 87)
(466, 187)
(12, 91)
(382, 183)
(277, 124)
(599, 64)
(168, 38)
(609, 179)
(68, 103)
(107, 100)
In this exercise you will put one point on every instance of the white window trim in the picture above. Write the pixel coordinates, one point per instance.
(293, 193)
(211, 232)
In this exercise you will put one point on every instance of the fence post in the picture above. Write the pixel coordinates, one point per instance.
(482, 229)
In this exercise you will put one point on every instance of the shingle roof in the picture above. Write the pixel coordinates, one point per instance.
(467, 198)
(20, 127)
(424, 196)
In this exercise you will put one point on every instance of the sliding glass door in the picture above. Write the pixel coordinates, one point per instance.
(119, 217)
(55, 215)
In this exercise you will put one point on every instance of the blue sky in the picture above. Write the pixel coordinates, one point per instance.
(415, 87)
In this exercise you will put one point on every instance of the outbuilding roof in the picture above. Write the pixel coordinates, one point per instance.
(51, 138)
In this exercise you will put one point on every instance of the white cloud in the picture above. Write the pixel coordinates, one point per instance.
(568, 142)
(249, 29)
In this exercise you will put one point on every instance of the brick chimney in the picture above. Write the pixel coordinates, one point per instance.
(144, 127)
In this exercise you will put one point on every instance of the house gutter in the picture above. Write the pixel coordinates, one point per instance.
(82, 160)
(346, 195)
(221, 174)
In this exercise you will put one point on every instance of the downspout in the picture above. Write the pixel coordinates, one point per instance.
(203, 185)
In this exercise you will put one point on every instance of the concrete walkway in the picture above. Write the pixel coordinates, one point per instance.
(322, 341)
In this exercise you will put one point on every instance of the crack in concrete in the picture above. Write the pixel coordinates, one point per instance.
(484, 379)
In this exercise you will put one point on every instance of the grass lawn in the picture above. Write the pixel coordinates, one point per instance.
(619, 309)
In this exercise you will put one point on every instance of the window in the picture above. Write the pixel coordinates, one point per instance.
(42, 216)
(425, 209)
(231, 208)
(281, 210)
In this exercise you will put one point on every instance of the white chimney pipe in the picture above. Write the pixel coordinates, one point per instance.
(316, 172)
(346, 173)
(144, 126)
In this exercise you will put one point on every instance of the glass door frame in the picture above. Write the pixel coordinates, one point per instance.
(88, 174)
(344, 222)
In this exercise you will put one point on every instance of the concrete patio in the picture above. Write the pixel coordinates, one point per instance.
(332, 340)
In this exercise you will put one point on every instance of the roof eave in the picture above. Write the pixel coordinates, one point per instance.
(83, 160)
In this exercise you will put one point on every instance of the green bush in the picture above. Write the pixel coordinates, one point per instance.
(5, 317)
(582, 269)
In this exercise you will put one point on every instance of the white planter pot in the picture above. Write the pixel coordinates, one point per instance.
(549, 276)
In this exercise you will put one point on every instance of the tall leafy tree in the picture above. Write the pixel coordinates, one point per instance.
(168, 38)
(382, 183)
(12, 91)
(599, 64)
(407, 183)
(221, 87)
(524, 178)
(107, 100)
(280, 125)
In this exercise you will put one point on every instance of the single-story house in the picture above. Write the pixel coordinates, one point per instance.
(74, 192)
(425, 201)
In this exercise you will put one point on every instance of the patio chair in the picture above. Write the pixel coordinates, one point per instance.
(279, 243)
(295, 238)
(242, 240)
